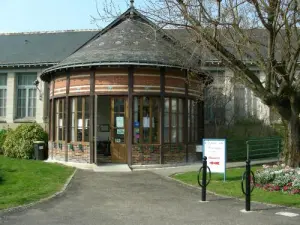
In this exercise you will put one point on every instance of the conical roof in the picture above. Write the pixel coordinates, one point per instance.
(130, 40)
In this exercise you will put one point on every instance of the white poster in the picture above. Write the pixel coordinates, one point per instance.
(146, 122)
(120, 131)
(215, 151)
(120, 121)
(79, 123)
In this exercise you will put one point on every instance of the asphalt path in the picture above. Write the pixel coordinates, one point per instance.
(141, 197)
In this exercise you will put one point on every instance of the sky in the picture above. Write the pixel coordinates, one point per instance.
(51, 15)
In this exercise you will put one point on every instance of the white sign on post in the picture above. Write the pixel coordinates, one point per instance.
(215, 151)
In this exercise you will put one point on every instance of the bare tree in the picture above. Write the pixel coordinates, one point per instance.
(243, 34)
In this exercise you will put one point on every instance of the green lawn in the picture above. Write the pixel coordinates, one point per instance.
(25, 181)
(232, 187)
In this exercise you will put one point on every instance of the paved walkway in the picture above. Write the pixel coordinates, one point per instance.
(141, 197)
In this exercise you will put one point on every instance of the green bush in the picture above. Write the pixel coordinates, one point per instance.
(19, 143)
(3, 134)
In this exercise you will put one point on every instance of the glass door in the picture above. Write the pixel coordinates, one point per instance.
(118, 129)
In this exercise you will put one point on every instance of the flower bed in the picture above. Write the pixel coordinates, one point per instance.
(278, 178)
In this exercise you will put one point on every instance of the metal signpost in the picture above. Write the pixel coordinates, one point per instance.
(247, 177)
(203, 184)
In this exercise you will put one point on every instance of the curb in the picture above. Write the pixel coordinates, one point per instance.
(26, 206)
(226, 196)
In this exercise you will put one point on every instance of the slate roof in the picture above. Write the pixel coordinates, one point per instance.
(40, 48)
(130, 40)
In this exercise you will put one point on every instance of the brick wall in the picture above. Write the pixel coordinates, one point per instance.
(193, 156)
(145, 154)
(76, 153)
(80, 84)
(174, 153)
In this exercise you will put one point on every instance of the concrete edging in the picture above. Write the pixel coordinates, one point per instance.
(26, 206)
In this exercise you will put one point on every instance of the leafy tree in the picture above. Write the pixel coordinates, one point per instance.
(242, 35)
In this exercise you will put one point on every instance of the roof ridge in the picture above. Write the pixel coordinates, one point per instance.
(47, 32)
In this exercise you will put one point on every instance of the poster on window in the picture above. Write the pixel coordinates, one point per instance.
(120, 131)
(120, 121)
(79, 123)
(146, 122)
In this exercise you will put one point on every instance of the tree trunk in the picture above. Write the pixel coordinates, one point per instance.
(291, 152)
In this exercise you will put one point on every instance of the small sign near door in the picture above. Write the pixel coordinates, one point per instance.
(120, 121)
(120, 131)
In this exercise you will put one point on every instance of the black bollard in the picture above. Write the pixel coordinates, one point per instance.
(248, 183)
(204, 179)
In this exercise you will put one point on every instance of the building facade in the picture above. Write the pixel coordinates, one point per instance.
(117, 95)
(123, 98)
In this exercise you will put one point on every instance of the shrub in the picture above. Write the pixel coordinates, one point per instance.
(296, 183)
(19, 143)
(3, 134)
(279, 178)
(265, 176)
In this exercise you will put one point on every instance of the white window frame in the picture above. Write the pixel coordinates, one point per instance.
(4, 88)
(27, 89)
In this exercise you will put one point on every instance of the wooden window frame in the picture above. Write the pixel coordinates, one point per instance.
(74, 100)
(177, 113)
(193, 128)
(57, 103)
(140, 110)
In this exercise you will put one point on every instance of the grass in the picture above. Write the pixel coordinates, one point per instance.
(25, 181)
(232, 187)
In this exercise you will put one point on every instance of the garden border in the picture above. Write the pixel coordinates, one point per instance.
(224, 196)
(27, 206)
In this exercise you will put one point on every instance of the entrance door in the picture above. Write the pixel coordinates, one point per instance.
(118, 129)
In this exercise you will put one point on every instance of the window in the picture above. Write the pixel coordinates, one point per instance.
(146, 120)
(3, 88)
(214, 105)
(80, 118)
(26, 95)
(239, 102)
(60, 119)
(193, 121)
(119, 124)
(173, 120)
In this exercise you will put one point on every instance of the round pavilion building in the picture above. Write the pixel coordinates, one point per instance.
(123, 97)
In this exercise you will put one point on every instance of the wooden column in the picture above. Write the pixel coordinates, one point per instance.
(67, 112)
(200, 122)
(162, 112)
(52, 125)
(185, 117)
(91, 112)
(130, 107)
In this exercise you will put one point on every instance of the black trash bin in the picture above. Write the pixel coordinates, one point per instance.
(39, 150)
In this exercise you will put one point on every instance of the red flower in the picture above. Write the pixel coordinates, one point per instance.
(276, 188)
(285, 188)
(295, 191)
